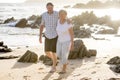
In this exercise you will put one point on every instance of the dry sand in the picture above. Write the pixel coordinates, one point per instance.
(94, 68)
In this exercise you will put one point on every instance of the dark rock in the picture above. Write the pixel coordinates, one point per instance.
(9, 20)
(81, 34)
(98, 38)
(41, 57)
(116, 68)
(83, 52)
(5, 46)
(114, 60)
(77, 46)
(8, 57)
(85, 78)
(36, 23)
(1, 43)
(114, 79)
(46, 60)
(22, 23)
(68, 6)
(106, 31)
(29, 57)
(33, 17)
(80, 51)
(92, 52)
(3, 49)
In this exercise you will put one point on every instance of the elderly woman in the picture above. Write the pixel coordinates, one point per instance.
(65, 39)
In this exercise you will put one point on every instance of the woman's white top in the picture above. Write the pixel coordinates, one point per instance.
(63, 31)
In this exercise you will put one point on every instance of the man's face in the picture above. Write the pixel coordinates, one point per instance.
(50, 8)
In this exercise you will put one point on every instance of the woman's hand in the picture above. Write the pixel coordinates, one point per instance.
(72, 46)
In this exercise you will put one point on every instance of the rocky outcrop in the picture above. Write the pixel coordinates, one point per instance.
(22, 23)
(80, 51)
(46, 60)
(116, 62)
(29, 57)
(9, 20)
(4, 48)
(81, 33)
(8, 57)
(33, 17)
(114, 79)
(36, 23)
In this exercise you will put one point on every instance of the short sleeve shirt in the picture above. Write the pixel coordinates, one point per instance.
(63, 31)
(50, 23)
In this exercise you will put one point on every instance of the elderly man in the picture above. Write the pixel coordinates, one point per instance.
(49, 22)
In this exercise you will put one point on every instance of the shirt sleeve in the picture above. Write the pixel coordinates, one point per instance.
(42, 21)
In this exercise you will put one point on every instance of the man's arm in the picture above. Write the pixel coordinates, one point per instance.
(41, 31)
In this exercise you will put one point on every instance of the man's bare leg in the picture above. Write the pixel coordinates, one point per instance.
(54, 60)
(49, 54)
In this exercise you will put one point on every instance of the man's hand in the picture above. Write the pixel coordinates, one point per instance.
(69, 21)
(40, 40)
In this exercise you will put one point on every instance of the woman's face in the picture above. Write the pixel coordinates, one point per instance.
(62, 15)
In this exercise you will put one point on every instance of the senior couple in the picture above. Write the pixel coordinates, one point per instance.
(58, 36)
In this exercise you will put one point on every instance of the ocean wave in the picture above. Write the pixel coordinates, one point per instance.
(18, 31)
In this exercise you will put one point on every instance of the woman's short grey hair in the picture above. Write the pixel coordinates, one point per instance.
(63, 11)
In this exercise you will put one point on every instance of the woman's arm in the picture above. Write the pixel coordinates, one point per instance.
(72, 38)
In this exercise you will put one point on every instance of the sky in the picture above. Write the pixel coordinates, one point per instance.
(12, 1)
(21, 1)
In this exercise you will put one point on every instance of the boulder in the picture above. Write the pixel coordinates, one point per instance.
(4, 48)
(29, 57)
(8, 57)
(9, 20)
(33, 17)
(116, 68)
(106, 31)
(114, 60)
(22, 23)
(1, 43)
(77, 46)
(92, 52)
(81, 34)
(80, 51)
(46, 60)
(114, 79)
(36, 23)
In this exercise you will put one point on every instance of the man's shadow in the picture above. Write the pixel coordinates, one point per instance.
(21, 65)
(73, 64)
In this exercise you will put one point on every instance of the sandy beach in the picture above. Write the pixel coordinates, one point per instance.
(94, 68)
